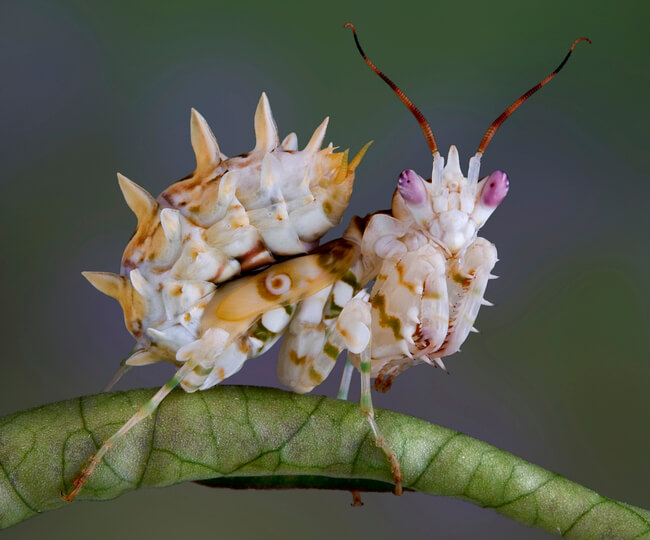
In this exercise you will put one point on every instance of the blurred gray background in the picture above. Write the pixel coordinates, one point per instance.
(559, 373)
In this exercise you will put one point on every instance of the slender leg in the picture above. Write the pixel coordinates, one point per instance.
(353, 331)
(345, 379)
(143, 412)
(124, 369)
(367, 409)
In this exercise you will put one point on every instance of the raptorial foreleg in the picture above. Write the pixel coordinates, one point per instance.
(467, 280)
(434, 305)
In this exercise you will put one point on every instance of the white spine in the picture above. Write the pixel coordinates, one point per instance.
(436, 172)
(474, 168)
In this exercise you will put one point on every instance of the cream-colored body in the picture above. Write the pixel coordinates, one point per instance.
(425, 297)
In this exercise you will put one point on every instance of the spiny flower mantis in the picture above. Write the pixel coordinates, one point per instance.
(226, 261)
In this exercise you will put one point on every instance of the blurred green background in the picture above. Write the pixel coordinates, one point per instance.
(559, 373)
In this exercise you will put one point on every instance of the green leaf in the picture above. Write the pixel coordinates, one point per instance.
(245, 437)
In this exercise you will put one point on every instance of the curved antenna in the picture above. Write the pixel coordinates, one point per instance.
(401, 95)
(504, 116)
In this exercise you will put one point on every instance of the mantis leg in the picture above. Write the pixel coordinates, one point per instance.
(368, 410)
(138, 357)
(353, 329)
(302, 361)
(124, 369)
(345, 379)
(143, 412)
(467, 280)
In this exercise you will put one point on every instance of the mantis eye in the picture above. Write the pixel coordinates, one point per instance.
(411, 187)
(495, 189)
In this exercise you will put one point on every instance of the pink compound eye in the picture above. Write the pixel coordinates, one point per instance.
(495, 189)
(411, 187)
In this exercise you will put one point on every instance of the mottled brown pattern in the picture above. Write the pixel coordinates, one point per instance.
(401, 271)
(462, 280)
(297, 360)
(147, 242)
(378, 302)
(314, 376)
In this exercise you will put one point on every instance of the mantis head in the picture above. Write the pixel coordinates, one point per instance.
(450, 208)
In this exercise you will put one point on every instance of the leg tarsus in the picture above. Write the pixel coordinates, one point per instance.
(368, 410)
(83, 476)
(383, 383)
(143, 412)
(363, 359)
(388, 451)
(356, 497)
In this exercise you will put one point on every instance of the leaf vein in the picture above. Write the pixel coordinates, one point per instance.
(583, 514)
(105, 462)
(531, 492)
(151, 443)
(433, 457)
(16, 491)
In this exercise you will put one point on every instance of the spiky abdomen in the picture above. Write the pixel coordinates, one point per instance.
(231, 215)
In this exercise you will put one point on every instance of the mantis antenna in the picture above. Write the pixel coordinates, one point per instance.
(504, 116)
(428, 134)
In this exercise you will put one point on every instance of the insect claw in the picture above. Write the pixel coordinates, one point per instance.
(435, 362)
(440, 364)
(356, 498)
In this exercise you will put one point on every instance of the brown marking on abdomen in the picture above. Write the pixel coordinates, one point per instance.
(256, 257)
